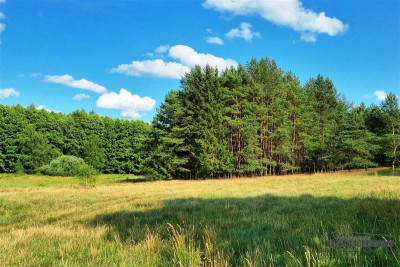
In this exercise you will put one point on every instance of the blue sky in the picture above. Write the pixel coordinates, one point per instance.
(56, 50)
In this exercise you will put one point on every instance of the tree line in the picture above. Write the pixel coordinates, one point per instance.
(258, 119)
(255, 119)
(31, 138)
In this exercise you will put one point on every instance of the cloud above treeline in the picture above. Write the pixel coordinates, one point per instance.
(6, 93)
(185, 56)
(289, 13)
(244, 32)
(130, 105)
(79, 97)
(41, 107)
(2, 17)
(69, 81)
(380, 95)
(214, 40)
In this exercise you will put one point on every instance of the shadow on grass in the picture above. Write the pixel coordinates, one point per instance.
(134, 180)
(272, 224)
(390, 172)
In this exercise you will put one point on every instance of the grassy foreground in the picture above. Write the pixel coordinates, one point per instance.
(266, 221)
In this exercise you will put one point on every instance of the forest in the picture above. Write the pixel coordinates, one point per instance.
(255, 119)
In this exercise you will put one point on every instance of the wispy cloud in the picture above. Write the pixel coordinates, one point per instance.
(79, 97)
(69, 81)
(2, 17)
(36, 74)
(162, 49)
(289, 13)
(308, 37)
(214, 40)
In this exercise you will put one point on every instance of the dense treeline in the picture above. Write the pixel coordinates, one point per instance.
(258, 120)
(250, 120)
(31, 138)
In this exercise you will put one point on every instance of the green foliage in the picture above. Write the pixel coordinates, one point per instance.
(87, 174)
(258, 120)
(93, 152)
(36, 136)
(35, 151)
(63, 166)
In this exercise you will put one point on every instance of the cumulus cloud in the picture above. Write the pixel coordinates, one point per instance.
(2, 16)
(69, 81)
(130, 105)
(380, 95)
(214, 40)
(162, 49)
(2, 27)
(153, 68)
(79, 97)
(40, 107)
(187, 56)
(244, 32)
(289, 13)
(5, 93)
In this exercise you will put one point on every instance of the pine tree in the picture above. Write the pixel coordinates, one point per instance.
(391, 113)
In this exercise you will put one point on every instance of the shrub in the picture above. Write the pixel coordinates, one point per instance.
(87, 173)
(63, 166)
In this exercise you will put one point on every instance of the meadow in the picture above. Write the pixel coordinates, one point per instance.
(130, 221)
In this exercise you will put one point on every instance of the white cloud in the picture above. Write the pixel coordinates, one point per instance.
(2, 27)
(209, 30)
(289, 13)
(214, 40)
(149, 54)
(2, 16)
(40, 107)
(380, 95)
(187, 56)
(153, 68)
(162, 49)
(244, 32)
(21, 76)
(69, 81)
(79, 97)
(36, 74)
(129, 104)
(2, 1)
(309, 37)
(5, 93)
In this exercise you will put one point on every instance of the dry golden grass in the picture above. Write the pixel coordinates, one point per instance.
(226, 222)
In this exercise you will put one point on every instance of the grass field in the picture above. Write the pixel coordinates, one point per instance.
(129, 221)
